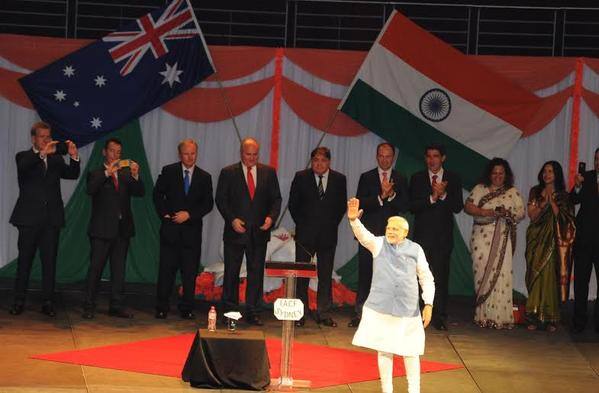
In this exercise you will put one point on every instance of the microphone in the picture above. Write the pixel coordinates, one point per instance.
(312, 255)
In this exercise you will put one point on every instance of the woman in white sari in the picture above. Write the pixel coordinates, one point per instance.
(496, 206)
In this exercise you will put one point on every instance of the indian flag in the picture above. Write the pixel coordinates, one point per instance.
(413, 89)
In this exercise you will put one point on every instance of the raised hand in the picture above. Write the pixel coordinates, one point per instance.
(72, 149)
(386, 188)
(353, 209)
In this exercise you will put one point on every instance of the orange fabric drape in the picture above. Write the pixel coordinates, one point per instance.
(276, 111)
(592, 100)
(575, 128)
(531, 73)
(11, 89)
(593, 64)
(233, 62)
(335, 66)
(549, 107)
(208, 105)
(318, 110)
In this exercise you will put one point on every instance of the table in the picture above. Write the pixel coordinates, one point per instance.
(232, 360)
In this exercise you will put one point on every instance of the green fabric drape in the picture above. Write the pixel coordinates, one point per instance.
(73, 249)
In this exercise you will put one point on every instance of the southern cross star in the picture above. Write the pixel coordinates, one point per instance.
(171, 75)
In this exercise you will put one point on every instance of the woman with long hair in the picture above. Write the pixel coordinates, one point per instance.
(496, 206)
(549, 240)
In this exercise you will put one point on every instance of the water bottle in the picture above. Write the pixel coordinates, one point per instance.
(212, 319)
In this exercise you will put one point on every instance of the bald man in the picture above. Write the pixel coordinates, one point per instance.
(249, 199)
(391, 321)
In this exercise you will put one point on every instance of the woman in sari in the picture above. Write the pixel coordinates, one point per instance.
(549, 240)
(496, 206)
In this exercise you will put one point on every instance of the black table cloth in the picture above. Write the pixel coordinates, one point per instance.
(231, 360)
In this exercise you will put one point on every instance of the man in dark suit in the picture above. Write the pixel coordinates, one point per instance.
(39, 211)
(182, 196)
(586, 244)
(249, 199)
(111, 225)
(435, 196)
(383, 193)
(317, 203)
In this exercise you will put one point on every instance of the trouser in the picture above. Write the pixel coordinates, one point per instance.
(186, 259)
(32, 238)
(255, 253)
(102, 251)
(584, 260)
(412, 366)
(324, 295)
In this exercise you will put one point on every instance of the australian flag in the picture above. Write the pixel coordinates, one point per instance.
(102, 86)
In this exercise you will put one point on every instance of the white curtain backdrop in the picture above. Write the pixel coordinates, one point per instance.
(219, 146)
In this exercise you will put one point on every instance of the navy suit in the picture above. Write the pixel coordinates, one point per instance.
(433, 230)
(110, 229)
(316, 226)
(233, 201)
(39, 215)
(586, 247)
(180, 244)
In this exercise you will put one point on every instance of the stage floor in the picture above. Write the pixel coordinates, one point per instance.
(493, 361)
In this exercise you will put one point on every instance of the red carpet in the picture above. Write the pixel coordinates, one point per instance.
(324, 366)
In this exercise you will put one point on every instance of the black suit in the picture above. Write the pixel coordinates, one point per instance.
(180, 244)
(38, 215)
(586, 246)
(110, 228)
(316, 226)
(233, 201)
(433, 230)
(375, 220)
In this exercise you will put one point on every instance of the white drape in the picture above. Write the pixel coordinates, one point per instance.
(219, 146)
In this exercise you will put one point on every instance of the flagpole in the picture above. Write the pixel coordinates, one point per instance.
(216, 74)
(324, 133)
(228, 105)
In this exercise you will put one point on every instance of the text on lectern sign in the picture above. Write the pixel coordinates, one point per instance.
(289, 309)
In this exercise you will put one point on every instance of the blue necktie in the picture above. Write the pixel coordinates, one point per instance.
(186, 181)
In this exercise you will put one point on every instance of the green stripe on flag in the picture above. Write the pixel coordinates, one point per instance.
(398, 126)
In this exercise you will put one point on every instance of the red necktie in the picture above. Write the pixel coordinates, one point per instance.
(384, 176)
(251, 185)
(115, 182)
(434, 179)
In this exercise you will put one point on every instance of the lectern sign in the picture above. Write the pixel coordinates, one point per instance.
(289, 309)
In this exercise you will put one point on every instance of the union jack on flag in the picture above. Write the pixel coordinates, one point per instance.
(175, 23)
(104, 85)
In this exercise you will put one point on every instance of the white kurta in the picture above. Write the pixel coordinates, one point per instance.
(402, 336)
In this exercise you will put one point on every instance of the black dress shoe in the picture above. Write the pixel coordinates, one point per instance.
(48, 309)
(440, 325)
(119, 313)
(88, 314)
(254, 320)
(187, 315)
(300, 322)
(355, 321)
(328, 322)
(160, 315)
(16, 309)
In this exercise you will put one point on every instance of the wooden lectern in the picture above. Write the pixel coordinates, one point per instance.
(290, 271)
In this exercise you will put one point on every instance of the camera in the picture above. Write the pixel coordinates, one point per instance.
(61, 148)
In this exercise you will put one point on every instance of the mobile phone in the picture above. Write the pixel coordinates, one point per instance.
(61, 148)
(124, 163)
(582, 167)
